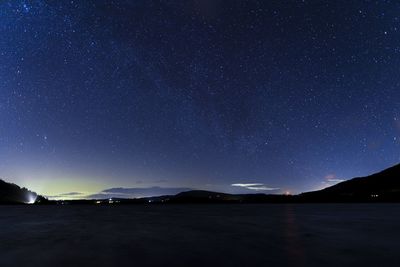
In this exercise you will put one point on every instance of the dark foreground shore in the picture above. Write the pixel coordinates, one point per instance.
(201, 235)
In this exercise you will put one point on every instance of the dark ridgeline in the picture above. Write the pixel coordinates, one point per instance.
(380, 187)
(200, 196)
(13, 194)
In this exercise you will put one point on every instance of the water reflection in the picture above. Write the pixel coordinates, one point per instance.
(294, 246)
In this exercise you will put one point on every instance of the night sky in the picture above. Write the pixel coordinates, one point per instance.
(232, 96)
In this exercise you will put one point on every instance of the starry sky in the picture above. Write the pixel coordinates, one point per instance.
(232, 96)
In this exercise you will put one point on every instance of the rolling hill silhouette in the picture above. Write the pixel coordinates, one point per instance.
(201, 196)
(384, 185)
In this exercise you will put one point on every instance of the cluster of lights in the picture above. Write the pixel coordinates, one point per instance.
(109, 201)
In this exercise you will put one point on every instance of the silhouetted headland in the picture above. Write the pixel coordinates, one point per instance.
(13, 194)
(382, 187)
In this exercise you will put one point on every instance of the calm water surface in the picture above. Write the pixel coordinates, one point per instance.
(201, 235)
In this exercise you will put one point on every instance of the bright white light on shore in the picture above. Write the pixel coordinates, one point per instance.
(31, 199)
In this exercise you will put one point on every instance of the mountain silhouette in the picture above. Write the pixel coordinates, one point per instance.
(384, 185)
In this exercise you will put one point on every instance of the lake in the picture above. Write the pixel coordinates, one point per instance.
(201, 235)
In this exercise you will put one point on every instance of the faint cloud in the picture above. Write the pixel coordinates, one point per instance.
(255, 186)
(137, 192)
(246, 185)
(335, 180)
(331, 178)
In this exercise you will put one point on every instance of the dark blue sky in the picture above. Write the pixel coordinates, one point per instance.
(204, 94)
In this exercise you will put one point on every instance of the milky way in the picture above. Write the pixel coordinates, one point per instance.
(287, 95)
